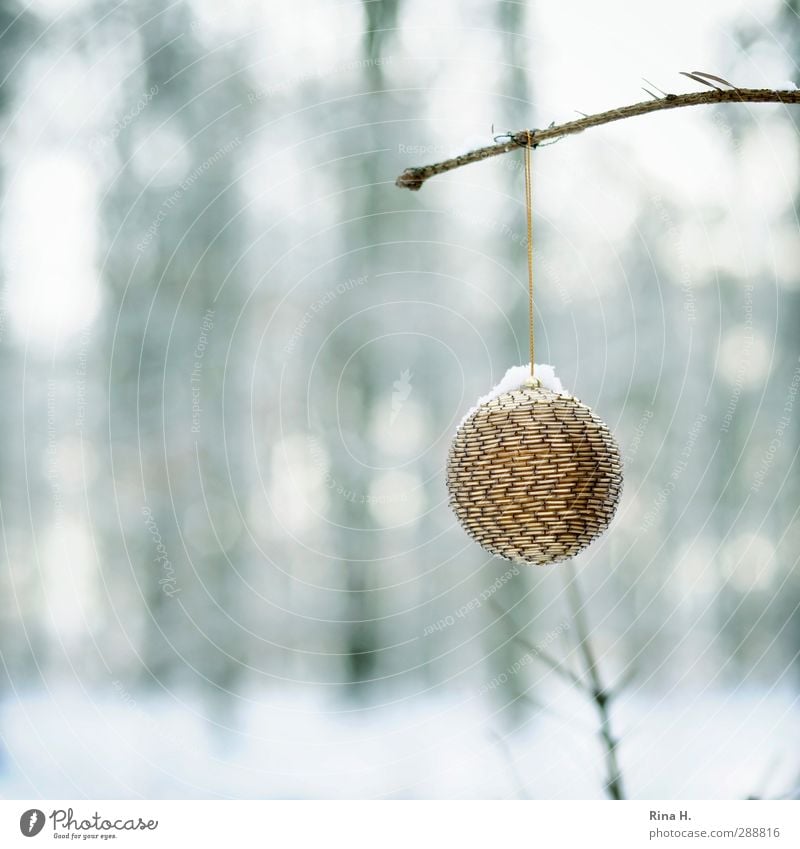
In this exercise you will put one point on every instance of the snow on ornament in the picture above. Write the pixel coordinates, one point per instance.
(533, 474)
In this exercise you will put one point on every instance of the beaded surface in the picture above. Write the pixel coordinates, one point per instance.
(534, 476)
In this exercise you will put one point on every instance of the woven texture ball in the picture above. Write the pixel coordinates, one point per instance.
(534, 475)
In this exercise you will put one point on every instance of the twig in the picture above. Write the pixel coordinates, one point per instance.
(508, 756)
(625, 680)
(550, 661)
(600, 694)
(593, 687)
(414, 178)
(536, 651)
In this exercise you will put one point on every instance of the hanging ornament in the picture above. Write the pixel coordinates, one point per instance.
(533, 474)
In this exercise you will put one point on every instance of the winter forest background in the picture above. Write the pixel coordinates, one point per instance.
(234, 355)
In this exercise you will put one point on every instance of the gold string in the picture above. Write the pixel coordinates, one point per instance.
(529, 214)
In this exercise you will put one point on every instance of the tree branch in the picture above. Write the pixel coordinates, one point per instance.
(601, 696)
(414, 178)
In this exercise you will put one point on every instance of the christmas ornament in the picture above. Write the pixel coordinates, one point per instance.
(533, 474)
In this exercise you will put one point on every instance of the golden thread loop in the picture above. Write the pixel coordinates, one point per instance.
(529, 216)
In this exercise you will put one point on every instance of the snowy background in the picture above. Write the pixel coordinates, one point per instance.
(234, 355)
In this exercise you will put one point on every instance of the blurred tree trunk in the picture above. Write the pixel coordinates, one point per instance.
(359, 551)
(173, 303)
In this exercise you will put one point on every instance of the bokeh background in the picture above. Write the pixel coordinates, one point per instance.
(234, 355)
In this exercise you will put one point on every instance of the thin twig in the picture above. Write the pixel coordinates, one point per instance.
(599, 693)
(549, 660)
(625, 680)
(414, 178)
(593, 687)
(508, 756)
(536, 651)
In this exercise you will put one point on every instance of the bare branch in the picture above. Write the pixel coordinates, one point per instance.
(600, 694)
(546, 658)
(508, 757)
(537, 651)
(414, 178)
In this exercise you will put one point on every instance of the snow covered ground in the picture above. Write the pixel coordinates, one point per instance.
(76, 745)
